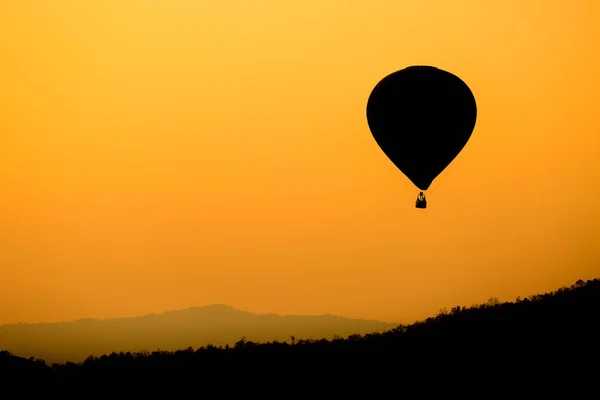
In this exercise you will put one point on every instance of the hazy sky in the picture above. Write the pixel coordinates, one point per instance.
(161, 154)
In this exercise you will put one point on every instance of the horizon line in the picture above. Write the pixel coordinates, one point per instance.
(195, 307)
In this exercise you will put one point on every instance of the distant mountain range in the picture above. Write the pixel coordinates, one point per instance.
(218, 325)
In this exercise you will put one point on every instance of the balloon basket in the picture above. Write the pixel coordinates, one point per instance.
(421, 201)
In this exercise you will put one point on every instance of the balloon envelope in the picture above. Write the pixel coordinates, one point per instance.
(421, 117)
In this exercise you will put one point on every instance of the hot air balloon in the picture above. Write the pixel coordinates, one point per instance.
(421, 117)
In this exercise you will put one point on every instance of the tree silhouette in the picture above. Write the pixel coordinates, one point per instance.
(550, 336)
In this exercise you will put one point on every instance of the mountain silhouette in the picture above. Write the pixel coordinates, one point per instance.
(540, 346)
(217, 324)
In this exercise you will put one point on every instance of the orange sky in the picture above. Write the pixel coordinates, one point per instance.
(156, 155)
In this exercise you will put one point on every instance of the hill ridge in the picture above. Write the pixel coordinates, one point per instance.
(193, 326)
(208, 307)
(537, 342)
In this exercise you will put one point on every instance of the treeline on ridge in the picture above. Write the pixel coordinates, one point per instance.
(549, 333)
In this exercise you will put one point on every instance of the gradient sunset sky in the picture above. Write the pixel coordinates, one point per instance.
(162, 154)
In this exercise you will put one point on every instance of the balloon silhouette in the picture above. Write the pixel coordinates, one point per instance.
(421, 117)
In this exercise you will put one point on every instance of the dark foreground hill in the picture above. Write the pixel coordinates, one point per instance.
(218, 325)
(540, 344)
